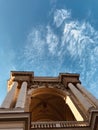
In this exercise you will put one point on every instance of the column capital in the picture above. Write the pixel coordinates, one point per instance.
(21, 76)
(69, 78)
(24, 83)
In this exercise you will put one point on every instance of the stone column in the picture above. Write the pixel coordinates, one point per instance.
(83, 101)
(9, 98)
(22, 96)
(88, 94)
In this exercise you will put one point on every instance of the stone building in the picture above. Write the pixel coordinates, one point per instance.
(37, 103)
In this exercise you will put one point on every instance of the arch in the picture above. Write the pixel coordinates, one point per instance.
(49, 104)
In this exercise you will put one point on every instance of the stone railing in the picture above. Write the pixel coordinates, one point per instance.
(59, 124)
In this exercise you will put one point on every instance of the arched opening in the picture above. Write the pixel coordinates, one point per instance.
(49, 104)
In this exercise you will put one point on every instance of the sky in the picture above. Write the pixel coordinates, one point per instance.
(49, 37)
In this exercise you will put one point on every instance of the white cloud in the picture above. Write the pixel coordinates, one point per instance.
(78, 36)
(60, 16)
(96, 51)
(51, 40)
(74, 48)
(35, 46)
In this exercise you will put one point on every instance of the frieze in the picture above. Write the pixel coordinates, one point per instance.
(47, 85)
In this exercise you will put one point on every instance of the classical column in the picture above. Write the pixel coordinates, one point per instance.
(88, 94)
(80, 97)
(22, 96)
(9, 98)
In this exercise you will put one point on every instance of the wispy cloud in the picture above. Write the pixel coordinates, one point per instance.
(78, 36)
(60, 16)
(70, 46)
(51, 40)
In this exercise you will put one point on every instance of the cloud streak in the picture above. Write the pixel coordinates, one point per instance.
(60, 16)
(71, 46)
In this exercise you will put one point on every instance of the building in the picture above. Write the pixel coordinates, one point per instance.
(37, 103)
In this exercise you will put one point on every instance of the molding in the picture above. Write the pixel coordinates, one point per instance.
(12, 119)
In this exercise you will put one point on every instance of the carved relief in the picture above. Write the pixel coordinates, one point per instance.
(47, 85)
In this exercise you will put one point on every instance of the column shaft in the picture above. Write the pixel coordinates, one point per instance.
(9, 98)
(83, 101)
(22, 96)
(88, 94)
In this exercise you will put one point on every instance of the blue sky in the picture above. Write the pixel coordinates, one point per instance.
(48, 37)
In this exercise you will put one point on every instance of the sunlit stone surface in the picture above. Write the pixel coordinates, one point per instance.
(48, 103)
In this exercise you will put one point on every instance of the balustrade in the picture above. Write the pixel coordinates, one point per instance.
(59, 124)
